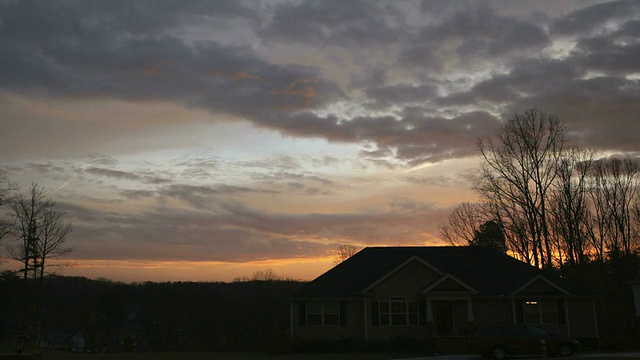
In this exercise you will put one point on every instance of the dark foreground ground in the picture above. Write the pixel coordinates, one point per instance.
(325, 356)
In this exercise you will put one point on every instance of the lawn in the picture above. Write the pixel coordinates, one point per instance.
(225, 356)
(246, 356)
(249, 356)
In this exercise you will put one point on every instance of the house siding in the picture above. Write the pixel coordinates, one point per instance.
(581, 320)
(492, 312)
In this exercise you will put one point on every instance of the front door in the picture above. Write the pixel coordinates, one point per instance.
(443, 317)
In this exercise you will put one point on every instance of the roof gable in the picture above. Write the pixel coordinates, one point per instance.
(396, 270)
(540, 285)
(449, 284)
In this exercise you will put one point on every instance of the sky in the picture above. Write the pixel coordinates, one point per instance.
(206, 140)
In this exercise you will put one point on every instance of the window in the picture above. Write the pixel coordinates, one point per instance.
(323, 313)
(399, 311)
(541, 311)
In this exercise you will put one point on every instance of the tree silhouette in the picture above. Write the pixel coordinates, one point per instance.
(490, 234)
(343, 252)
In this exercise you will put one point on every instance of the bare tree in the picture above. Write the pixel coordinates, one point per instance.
(569, 206)
(41, 233)
(615, 192)
(343, 252)
(463, 223)
(52, 235)
(264, 275)
(27, 211)
(518, 171)
(6, 187)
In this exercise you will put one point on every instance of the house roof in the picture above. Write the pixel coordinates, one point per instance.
(487, 271)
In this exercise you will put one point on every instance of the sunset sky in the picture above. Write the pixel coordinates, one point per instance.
(205, 140)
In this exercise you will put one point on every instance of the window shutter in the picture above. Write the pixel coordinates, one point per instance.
(562, 319)
(343, 313)
(375, 314)
(422, 313)
(302, 313)
(519, 311)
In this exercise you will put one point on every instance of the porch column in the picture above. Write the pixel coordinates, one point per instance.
(567, 317)
(513, 311)
(429, 311)
(595, 316)
(290, 319)
(366, 316)
(469, 310)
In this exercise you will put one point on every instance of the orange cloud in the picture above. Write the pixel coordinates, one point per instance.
(153, 69)
(299, 88)
(245, 75)
(238, 75)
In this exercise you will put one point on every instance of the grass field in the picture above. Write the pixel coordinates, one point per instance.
(246, 356)
(226, 355)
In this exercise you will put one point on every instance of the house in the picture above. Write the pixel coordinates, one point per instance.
(435, 293)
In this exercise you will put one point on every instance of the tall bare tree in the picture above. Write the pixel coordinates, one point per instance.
(41, 234)
(569, 206)
(6, 187)
(40, 229)
(27, 211)
(518, 170)
(52, 235)
(614, 193)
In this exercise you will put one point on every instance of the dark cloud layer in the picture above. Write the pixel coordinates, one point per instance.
(139, 51)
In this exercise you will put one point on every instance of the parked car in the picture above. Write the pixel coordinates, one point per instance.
(498, 341)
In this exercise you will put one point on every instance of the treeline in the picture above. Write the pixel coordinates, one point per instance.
(557, 204)
(107, 316)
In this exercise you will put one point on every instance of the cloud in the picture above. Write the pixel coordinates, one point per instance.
(78, 51)
(238, 233)
(613, 52)
(123, 175)
(586, 20)
(471, 37)
(335, 23)
(421, 88)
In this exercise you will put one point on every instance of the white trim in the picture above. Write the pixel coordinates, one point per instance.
(566, 316)
(449, 276)
(540, 277)
(413, 258)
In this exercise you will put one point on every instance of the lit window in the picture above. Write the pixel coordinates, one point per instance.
(540, 311)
